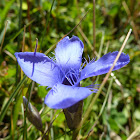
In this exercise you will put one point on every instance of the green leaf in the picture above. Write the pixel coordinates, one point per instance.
(4, 12)
(16, 110)
(42, 92)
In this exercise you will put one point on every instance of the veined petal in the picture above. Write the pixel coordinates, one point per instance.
(64, 96)
(68, 53)
(39, 68)
(103, 65)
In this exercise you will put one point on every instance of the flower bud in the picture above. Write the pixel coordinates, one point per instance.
(73, 115)
(32, 114)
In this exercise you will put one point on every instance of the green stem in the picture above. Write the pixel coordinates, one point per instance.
(19, 26)
(75, 134)
(46, 25)
(94, 28)
(25, 125)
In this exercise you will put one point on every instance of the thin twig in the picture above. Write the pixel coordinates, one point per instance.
(25, 114)
(76, 25)
(18, 44)
(101, 45)
(131, 20)
(52, 47)
(23, 38)
(23, 43)
(28, 16)
(51, 129)
(86, 39)
(3, 36)
(94, 28)
(50, 125)
(134, 133)
(106, 49)
(103, 83)
(102, 109)
(10, 54)
(46, 24)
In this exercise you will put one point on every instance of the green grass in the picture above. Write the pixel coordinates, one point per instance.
(116, 110)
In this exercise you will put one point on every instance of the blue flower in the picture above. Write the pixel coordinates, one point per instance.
(64, 73)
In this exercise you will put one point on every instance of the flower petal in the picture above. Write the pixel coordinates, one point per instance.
(39, 68)
(64, 96)
(103, 65)
(69, 53)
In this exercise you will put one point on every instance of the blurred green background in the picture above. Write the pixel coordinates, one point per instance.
(121, 115)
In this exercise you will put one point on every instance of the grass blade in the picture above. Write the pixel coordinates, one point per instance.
(46, 25)
(16, 109)
(3, 112)
(4, 12)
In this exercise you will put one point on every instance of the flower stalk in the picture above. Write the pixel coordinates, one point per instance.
(73, 115)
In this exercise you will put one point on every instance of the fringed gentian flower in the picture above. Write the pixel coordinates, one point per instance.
(64, 73)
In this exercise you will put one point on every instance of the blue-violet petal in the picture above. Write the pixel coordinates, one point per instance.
(64, 96)
(39, 68)
(103, 65)
(68, 53)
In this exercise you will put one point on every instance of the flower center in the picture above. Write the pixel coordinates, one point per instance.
(71, 77)
(69, 80)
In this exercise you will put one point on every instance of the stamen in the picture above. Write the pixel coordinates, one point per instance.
(52, 58)
(82, 66)
(36, 46)
(69, 80)
(93, 86)
(72, 78)
(76, 75)
(93, 59)
(85, 60)
(88, 58)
